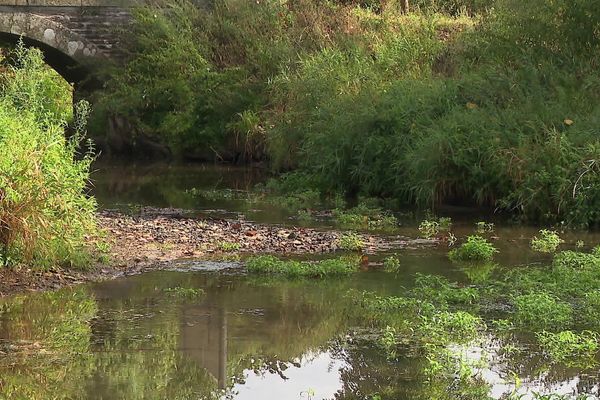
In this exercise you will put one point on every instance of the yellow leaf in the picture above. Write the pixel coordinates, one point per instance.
(471, 106)
(568, 122)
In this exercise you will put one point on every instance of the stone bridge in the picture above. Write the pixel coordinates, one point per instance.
(73, 34)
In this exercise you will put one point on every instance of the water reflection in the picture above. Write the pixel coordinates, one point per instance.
(242, 339)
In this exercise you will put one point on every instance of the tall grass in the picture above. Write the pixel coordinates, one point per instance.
(477, 102)
(45, 215)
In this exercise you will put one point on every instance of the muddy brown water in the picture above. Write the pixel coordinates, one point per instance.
(231, 335)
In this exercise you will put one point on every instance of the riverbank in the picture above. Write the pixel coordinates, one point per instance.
(153, 238)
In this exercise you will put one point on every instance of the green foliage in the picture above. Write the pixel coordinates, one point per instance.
(391, 264)
(569, 347)
(302, 269)
(430, 228)
(45, 214)
(576, 260)
(547, 242)
(475, 248)
(542, 311)
(364, 216)
(351, 242)
(229, 246)
(441, 292)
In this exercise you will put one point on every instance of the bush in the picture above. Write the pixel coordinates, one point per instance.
(351, 242)
(475, 248)
(547, 242)
(45, 215)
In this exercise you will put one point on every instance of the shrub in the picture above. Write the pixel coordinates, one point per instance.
(45, 215)
(391, 264)
(547, 242)
(569, 347)
(351, 242)
(475, 248)
(542, 311)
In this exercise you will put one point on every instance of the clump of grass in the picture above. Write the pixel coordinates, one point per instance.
(351, 242)
(301, 269)
(475, 248)
(431, 228)
(391, 264)
(229, 246)
(569, 347)
(365, 216)
(184, 292)
(542, 311)
(547, 242)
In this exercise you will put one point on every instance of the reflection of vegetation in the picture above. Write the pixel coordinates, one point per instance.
(441, 322)
(184, 292)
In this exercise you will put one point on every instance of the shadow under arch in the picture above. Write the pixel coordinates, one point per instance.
(70, 69)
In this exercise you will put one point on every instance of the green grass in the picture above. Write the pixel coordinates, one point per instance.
(542, 311)
(46, 216)
(475, 249)
(351, 242)
(229, 246)
(271, 265)
(570, 348)
(547, 241)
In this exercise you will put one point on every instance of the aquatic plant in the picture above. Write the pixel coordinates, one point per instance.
(569, 347)
(547, 242)
(542, 311)
(430, 228)
(365, 216)
(351, 242)
(475, 248)
(391, 264)
(575, 260)
(439, 291)
(296, 269)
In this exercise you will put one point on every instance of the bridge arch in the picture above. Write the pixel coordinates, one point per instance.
(74, 35)
(65, 50)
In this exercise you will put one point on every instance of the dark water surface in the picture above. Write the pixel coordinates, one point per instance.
(237, 336)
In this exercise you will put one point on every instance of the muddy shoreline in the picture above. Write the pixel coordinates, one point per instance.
(154, 238)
